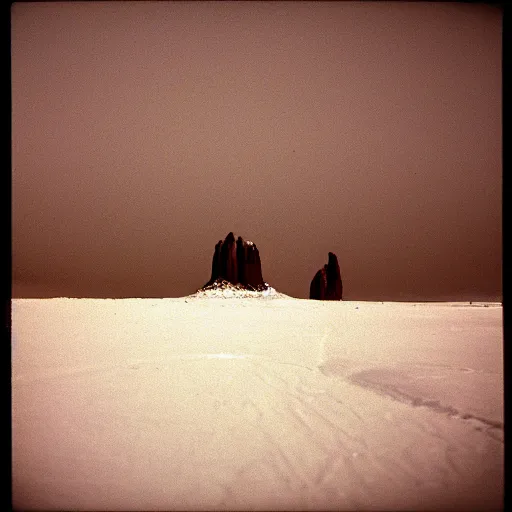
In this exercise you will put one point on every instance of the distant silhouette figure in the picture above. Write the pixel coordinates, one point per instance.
(327, 283)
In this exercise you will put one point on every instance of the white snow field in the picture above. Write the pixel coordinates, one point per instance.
(256, 404)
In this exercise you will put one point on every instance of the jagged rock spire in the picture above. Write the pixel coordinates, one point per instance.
(237, 263)
(327, 283)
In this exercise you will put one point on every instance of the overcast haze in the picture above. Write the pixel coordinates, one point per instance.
(142, 133)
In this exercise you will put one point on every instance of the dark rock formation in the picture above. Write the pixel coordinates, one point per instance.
(334, 282)
(318, 285)
(228, 263)
(327, 284)
(237, 263)
(241, 257)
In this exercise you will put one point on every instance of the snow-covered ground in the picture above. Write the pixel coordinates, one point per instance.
(204, 403)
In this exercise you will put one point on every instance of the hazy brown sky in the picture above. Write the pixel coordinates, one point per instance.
(142, 133)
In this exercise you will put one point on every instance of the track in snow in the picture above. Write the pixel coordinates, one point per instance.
(261, 433)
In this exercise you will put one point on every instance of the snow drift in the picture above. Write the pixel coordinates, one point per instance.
(194, 403)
